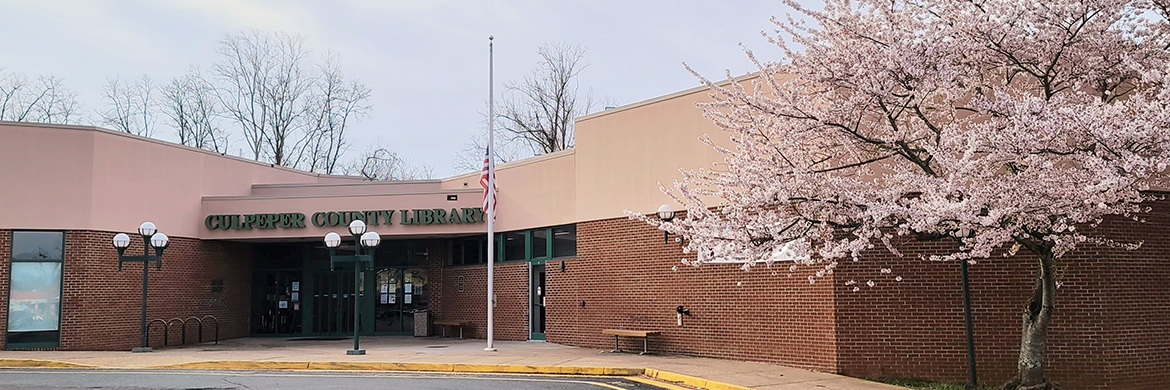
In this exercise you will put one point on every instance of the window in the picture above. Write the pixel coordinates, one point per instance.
(468, 251)
(540, 243)
(34, 297)
(535, 245)
(514, 246)
(456, 257)
(565, 241)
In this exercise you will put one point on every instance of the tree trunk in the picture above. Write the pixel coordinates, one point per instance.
(1037, 315)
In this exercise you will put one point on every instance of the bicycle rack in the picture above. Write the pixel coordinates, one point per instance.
(183, 328)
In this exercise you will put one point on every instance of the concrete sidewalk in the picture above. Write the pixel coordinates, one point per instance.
(252, 353)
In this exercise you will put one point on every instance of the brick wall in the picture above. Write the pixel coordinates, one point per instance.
(437, 253)
(1110, 328)
(101, 306)
(915, 327)
(624, 273)
(1135, 303)
(511, 312)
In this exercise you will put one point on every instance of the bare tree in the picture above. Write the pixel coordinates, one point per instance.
(471, 157)
(46, 100)
(263, 87)
(378, 163)
(189, 101)
(539, 110)
(12, 91)
(132, 108)
(331, 106)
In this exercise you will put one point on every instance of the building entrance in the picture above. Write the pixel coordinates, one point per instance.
(402, 293)
(294, 293)
(537, 310)
(332, 301)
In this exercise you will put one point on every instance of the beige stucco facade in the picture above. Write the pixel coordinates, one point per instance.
(88, 178)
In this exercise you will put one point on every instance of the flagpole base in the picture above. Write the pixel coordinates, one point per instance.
(355, 352)
(489, 349)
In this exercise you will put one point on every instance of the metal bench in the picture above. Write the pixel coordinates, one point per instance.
(459, 324)
(644, 334)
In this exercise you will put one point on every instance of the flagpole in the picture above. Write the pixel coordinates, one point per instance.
(491, 196)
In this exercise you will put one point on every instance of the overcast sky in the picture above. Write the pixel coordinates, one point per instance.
(426, 61)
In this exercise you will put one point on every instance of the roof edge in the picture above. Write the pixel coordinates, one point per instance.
(517, 163)
(669, 96)
(173, 145)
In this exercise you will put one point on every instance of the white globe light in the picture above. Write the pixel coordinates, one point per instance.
(147, 229)
(371, 239)
(159, 240)
(121, 241)
(665, 213)
(357, 227)
(332, 240)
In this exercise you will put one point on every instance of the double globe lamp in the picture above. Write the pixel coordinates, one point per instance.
(159, 242)
(364, 240)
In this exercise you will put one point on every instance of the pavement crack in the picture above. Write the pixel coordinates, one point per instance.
(236, 384)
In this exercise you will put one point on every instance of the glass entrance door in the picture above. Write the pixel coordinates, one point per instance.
(537, 312)
(401, 292)
(276, 307)
(333, 302)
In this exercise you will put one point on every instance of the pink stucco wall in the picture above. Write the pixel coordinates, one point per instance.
(72, 177)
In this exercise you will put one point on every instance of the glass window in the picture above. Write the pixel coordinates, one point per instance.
(456, 257)
(514, 246)
(565, 241)
(473, 249)
(34, 290)
(34, 302)
(38, 246)
(539, 243)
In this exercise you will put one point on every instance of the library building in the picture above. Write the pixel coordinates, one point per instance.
(245, 255)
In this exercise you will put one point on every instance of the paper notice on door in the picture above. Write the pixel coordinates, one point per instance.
(409, 289)
(385, 288)
(283, 305)
(406, 299)
(393, 299)
(385, 299)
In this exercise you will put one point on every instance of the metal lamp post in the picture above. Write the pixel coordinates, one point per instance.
(150, 238)
(362, 239)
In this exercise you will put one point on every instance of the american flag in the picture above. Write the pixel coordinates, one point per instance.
(483, 182)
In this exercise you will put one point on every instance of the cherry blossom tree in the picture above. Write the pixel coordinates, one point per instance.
(999, 124)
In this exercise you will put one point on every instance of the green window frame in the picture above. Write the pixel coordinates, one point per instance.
(548, 250)
(532, 255)
(35, 305)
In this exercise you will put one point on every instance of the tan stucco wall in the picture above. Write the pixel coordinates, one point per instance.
(70, 177)
(623, 153)
(535, 192)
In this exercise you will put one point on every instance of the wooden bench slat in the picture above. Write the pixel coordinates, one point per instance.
(630, 333)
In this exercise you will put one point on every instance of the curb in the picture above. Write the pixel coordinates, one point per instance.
(27, 363)
(665, 376)
(422, 367)
(692, 381)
